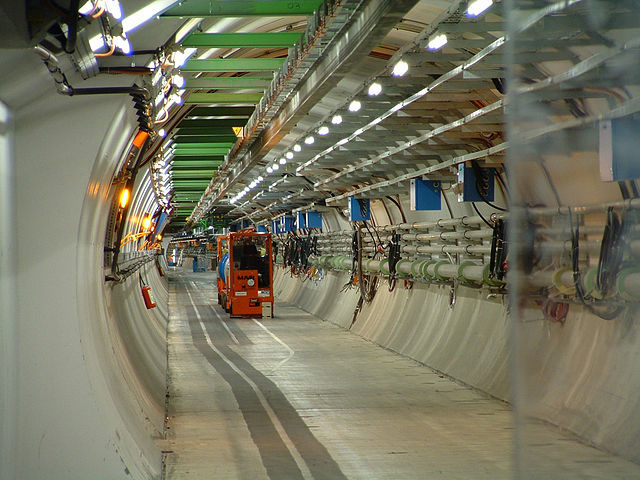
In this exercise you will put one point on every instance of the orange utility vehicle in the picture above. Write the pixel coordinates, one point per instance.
(245, 273)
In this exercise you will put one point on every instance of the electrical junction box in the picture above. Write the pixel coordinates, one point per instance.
(314, 219)
(262, 229)
(359, 209)
(244, 224)
(425, 194)
(619, 148)
(301, 221)
(472, 192)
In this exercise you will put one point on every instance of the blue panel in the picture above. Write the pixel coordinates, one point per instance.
(160, 224)
(624, 147)
(245, 223)
(359, 209)
(262, 229)
(275, 226)
(286, 224)
(233, 227)
(301, 221)
(425, 194)
(314, 220)
(467, 176)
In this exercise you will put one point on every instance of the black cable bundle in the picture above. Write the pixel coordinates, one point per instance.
(608, 312)
(498, 251)
(611, 252)
(394, 253)
(354, 252)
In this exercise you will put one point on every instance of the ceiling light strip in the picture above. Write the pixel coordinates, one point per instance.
(627, 108)
(492, 47)
(416, 96)
(413, 142)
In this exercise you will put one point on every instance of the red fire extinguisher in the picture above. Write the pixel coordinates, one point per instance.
(147, 296)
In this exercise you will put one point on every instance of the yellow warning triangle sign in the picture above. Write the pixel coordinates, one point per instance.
(237, 131)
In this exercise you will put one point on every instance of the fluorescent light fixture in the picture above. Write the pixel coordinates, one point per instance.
(289, 155)
(162, 132)
(146, 13)
(323, 130)
(177, 80)
(159, 98)
(354, 106)
(113, 7)
(260, 179)
(177, 99)
(297, 148)
(283, 161)
(476, 7)
(343, 141)
(86, 8)
(252, 184)
(269, 169)
(180, 57)
(123, 44)
(96, 43)
(437, 41)
(375, 89)
(336, 120)
(400, 68)
(246, 189)
(275, 167)
(309, 140)
(161, 113)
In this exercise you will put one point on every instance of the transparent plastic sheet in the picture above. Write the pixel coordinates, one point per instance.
(574, 279)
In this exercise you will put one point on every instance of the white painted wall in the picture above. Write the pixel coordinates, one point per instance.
(91, 385)
(8, 306)
(582, 376)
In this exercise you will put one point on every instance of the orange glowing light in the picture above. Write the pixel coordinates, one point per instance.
(124, 198)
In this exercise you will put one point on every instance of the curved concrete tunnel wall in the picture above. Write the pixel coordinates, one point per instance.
(586, 373)
(91, 359)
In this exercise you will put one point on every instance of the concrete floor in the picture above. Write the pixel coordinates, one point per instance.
(296, 398)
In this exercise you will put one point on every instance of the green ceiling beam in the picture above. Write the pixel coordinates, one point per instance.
(184, 146)
(227, 82)
(193, 173)
(184, 163)
(221, 111)
(222, 122)
(233, 65)
(240, 40)
(229, 8)
(180, 139)
(201, 152)
(223, 98)
(206, 131)
(193, 182)
(195, 188)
